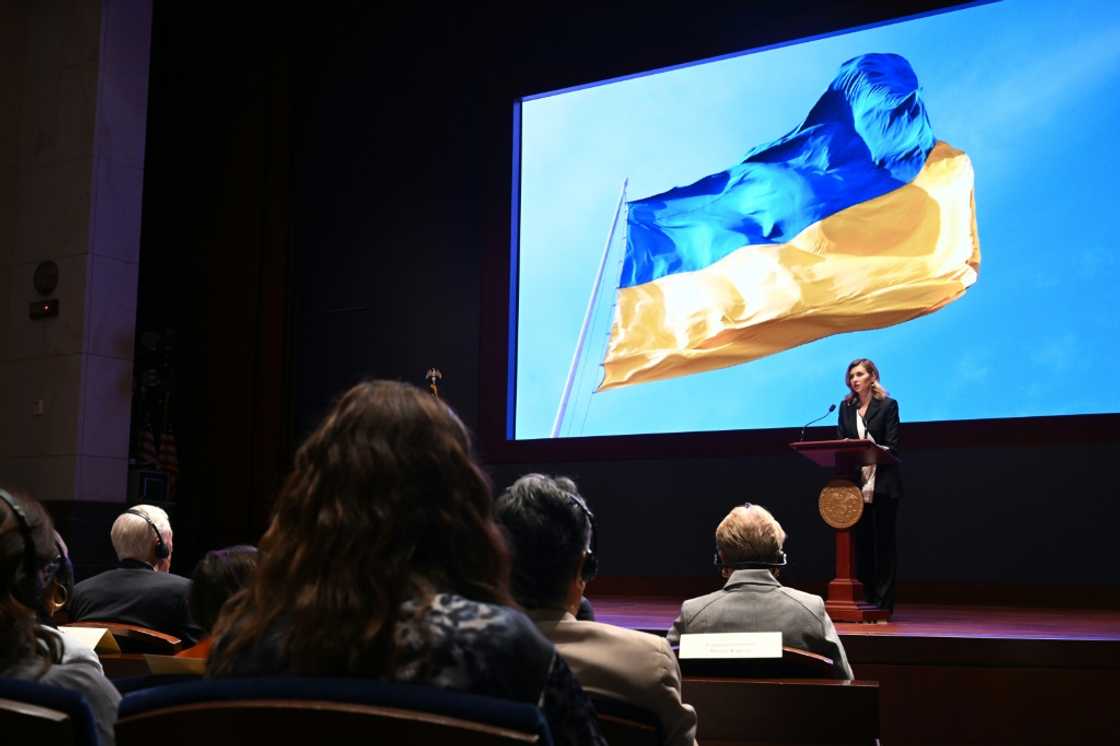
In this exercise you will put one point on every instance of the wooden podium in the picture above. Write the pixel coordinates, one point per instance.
(841, 506)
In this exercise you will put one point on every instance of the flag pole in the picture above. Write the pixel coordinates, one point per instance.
(578, 353)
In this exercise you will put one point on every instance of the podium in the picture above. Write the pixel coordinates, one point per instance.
(841, 506)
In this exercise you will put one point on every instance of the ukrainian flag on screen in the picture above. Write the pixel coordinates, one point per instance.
(858, 219)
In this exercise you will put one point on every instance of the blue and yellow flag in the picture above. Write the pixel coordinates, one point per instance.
(858, 219)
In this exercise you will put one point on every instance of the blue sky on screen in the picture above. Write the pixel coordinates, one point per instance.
(1027, 89)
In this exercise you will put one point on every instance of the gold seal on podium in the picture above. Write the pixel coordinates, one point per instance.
(841, 504)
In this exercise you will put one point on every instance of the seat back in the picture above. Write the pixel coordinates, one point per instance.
(34, 713)
(294, 710)
(795, 663)
(624, 724)
(784, 711)
(134, 639)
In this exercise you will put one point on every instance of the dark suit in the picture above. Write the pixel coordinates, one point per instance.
(876, 550)
(134, 593)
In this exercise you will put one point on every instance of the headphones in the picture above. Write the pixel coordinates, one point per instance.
(591, 560)
(778, 560)
(162, 552)
(25, 586)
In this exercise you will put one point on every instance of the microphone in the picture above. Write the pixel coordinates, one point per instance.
(831, 409)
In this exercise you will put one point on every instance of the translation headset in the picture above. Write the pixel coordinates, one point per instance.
(591, 561)
(778, 560)
(26, 586)
(162, 552)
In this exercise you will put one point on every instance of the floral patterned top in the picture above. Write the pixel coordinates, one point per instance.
(455, 643)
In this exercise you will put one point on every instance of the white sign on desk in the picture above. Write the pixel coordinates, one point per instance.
(731, 645)
(97, 639)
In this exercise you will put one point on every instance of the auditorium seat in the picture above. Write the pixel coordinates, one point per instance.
(34, 713)
(624, 724)
(305, 710)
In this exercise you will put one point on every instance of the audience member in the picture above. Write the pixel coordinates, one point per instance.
(748, 550)
(217, 576)
(551, 533)
(142, 589)
(29, 650)
(58, 589)
(59, 586)
(383, 560)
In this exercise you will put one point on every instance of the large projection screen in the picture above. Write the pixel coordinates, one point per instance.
(706, 247)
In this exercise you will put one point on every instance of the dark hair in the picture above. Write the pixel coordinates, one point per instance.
(20, 633)
(548, 535)
(217, 576)
(58, 582)
(385, 503)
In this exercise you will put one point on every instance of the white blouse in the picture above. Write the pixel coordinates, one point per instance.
(868, 472)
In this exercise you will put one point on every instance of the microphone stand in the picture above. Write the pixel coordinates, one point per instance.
(831, 409)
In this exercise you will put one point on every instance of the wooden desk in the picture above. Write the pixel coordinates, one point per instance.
(783, 711)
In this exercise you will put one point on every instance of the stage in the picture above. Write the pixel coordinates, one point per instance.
(966, 674)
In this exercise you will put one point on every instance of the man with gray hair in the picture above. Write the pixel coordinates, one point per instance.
(141, 589)
(551, 533)
(749, 545)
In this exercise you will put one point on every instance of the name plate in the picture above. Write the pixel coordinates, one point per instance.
(732, 645)
(97, 639)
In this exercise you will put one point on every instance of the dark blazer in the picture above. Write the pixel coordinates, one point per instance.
(134, 593)
(882, 423)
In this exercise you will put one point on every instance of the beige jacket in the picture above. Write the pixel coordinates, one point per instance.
(624, 664)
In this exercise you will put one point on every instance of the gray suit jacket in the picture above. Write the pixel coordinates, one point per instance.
(623, 664)
(754, 601)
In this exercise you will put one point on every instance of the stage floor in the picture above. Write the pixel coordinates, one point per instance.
(966, 674)
(656, 615)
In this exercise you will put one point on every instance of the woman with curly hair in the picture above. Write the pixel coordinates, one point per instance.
(29, 650)
(383, 559)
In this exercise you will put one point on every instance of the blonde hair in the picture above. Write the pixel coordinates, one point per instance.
(133, 538)
(877, 390)
(749, 533)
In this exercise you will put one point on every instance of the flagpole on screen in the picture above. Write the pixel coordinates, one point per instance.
(578, 353)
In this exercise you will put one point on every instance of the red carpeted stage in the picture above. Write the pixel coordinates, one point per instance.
(967, 674)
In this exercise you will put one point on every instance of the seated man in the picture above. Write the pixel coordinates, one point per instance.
(551, 535)
(141, 589)
(748, 549)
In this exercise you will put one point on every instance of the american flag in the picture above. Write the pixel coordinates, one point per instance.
(149, 455)
(169, 457)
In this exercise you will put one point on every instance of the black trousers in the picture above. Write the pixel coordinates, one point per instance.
(876, 550)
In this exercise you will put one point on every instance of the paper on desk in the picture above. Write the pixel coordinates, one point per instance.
(727, 645)
(169, 664)
(97, 639)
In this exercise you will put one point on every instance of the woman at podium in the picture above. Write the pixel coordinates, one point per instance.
(867, 412)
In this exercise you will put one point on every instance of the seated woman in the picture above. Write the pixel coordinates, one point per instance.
(28, 650)
(383, 559)
(218, 576)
